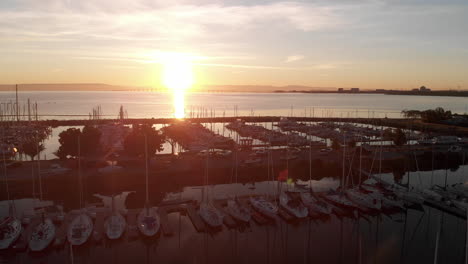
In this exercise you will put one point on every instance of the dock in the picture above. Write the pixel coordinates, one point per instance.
(98, 232)
(132, 229)
(195, 218)
(166, 228)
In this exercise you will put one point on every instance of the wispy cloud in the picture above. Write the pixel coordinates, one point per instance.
(293, 58)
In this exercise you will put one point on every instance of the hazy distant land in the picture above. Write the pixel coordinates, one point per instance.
(226, 88)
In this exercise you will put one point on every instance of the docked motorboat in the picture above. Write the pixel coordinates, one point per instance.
(292, 206)
(10, 230)
(263, 206)
(115, 225)
(210, 215)
(238, 210)
(80, 229)
(148, 221)
(314, 204)
(42, 235)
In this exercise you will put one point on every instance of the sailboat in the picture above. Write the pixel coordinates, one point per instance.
(261, 204)
(148, 219)
(292, 206)
(364, 200)
(207, 211)
(10, 227)
(115, 223)
(79, 229)
(338, 198)
(236, 209)
(309, 199)
(361, 197)
(81, 226)
(43, 233)
(10, 230)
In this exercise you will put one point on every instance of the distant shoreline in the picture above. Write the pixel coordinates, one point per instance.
(98, 87)
(389, 92)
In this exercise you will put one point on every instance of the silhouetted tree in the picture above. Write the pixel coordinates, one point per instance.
(32, 148)
(68, 140)
(134, 143)
(90, 137)
(399, 137)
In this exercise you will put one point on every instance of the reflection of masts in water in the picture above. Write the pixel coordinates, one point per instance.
(436, 250)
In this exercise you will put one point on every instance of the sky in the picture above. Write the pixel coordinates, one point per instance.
(390, 44)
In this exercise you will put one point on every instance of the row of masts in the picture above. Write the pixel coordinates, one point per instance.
(15, 111)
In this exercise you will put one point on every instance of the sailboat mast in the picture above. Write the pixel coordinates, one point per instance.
(39, 169)
(79, 173)
(146, 168)
(6, 178)
(17, 105)
(344, 159)
(360, 162)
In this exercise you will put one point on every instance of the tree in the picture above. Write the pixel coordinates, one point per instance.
(68, 140)
(32, 148)
(399, 137)
(134, 143)
(89, 140)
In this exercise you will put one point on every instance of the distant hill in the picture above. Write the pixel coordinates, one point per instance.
(65, 87)
(198, 88)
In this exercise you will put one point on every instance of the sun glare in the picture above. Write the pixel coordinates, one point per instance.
(178, 77)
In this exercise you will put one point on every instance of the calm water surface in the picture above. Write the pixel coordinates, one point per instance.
(154, 104)
(404, 237)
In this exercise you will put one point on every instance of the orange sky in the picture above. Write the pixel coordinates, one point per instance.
(366, 44)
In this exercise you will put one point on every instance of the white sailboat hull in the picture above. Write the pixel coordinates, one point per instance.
(238, 211)
(80, 229)
(148, 221)
(210, 215)
(340, 200)
(9, 232)
(315, 205)
(115, 225)
(410, 197)
(263, 206)
(42, 235)
(364, 200)
(296, 209)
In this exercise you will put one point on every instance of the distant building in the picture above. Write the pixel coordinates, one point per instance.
(340, 90)
(424, 89)
(415, 90)
(355, 90)
(380, 90)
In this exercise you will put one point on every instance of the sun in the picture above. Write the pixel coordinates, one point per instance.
(178, 77)
(177, 73)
